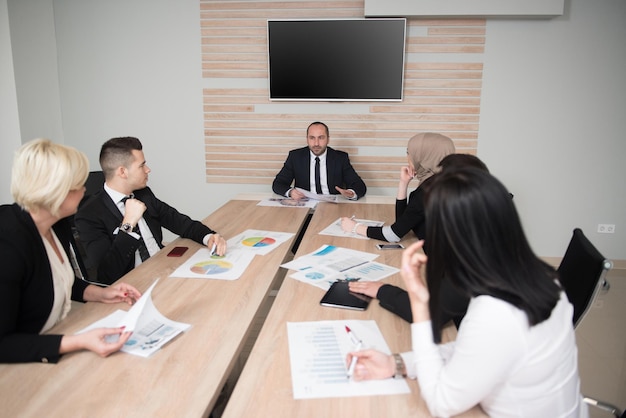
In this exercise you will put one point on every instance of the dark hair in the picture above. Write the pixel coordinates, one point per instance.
(117, 152)
(462, 160)
(475, 240)
(318, 123)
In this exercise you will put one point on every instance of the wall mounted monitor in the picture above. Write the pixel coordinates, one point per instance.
(336, 60)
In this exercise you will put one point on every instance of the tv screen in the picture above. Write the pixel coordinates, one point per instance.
(336, 60)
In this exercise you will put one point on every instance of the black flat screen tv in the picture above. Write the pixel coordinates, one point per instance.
(336, 60)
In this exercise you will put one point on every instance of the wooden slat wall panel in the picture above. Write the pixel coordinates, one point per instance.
(247, 144)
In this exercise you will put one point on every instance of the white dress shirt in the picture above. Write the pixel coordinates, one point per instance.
(501, 363)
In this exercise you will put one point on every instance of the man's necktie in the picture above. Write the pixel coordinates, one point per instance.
(143, 250)
(318, 182)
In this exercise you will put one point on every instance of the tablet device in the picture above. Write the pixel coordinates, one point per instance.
(340, 296)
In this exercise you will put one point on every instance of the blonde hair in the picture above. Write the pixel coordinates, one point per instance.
(44, 173)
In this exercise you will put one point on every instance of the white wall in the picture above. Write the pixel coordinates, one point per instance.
(9, 121)
(133, 69)
(551, 123)
(35, 63)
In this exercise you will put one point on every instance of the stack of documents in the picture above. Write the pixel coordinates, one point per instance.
(329, 263)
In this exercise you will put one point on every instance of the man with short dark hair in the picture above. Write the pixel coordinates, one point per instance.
(120, 226)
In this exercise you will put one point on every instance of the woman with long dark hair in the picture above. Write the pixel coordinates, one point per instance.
(515, 352)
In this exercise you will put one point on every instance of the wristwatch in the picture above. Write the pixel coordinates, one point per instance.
(126, 227)
(400, 367)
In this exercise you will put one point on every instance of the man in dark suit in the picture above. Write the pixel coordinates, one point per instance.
(121, 225)
(318, 168)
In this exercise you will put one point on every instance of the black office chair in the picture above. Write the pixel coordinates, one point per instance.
(582, 273)
(94, 183)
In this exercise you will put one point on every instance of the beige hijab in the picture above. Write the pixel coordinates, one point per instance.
(426, 150)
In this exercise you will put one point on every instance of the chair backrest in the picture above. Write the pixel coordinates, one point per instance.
(581, 273)
(94, 183)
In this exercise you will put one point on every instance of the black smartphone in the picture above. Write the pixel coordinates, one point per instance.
(177, 251)
(389, 246)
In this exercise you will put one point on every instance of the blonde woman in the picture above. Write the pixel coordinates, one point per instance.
(38, 279)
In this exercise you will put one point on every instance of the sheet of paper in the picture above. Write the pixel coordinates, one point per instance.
(132, 316)
(334, 198)
(203, 265)
(329, 263)
(288, 202)
(151, 330)
(317, 354)
(335, 228)
(258, 242)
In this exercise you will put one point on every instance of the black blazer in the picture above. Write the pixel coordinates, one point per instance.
(339, 172)
(410, 215)
(26, 287)
(113, 253)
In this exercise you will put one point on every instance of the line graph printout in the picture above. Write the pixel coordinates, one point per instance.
(151, 330)
(317, 353)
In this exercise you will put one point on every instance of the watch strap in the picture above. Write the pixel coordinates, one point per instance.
(400, 367)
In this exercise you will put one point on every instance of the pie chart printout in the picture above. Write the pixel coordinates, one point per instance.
(211, 267)
(258, 241)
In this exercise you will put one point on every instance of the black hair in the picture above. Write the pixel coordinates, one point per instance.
(117, 152)
(462, 160)
(475, 240)
(318, 123)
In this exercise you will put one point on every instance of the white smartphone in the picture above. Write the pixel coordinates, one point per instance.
(389, 246)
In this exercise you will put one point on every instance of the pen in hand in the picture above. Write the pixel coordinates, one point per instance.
(358, 345)
(353, 361)
(213, 248)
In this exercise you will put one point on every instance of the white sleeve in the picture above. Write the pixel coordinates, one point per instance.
(446, 351)
(489, 343)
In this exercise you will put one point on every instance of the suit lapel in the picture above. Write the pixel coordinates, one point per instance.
(110, 205)
(330, 173)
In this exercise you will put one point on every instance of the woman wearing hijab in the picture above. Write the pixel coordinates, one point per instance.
(424, 153)
(38, 276)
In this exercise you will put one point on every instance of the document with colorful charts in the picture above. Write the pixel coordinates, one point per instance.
(258, 242)
(151, 330)
(329, 263)
(203, 265)
(318, 351)
(336, 230)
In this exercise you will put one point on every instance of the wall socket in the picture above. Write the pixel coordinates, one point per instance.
(606, 228)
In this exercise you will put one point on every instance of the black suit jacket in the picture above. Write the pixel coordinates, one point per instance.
(113, 253)
(26, 287)
(339, 172)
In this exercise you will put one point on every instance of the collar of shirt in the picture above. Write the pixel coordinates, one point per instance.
(321, 157)
(114, 195)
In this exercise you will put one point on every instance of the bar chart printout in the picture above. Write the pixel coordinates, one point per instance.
(318, 351)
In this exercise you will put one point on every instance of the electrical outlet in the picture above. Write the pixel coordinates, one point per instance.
(606, 228)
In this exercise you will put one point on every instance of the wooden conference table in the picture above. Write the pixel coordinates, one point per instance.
(264, 388)
(184, 378)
